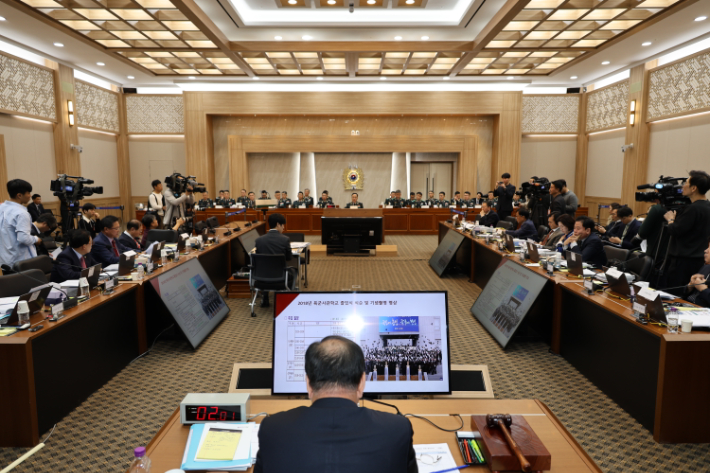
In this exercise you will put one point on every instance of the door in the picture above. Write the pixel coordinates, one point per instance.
(437, 177)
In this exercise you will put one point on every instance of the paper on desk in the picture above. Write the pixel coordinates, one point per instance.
(532, 264)
(70, 283)
(240, 453)
(699, 317)
(219, 444)
(429, 453)
(254, 441)
(300, 244)
(56, 252)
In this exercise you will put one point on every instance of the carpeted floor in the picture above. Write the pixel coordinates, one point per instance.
(99, 436)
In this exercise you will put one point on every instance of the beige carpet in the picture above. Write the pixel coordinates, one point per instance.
(99, 436)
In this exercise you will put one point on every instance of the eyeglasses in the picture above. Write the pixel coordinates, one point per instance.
(428, 459)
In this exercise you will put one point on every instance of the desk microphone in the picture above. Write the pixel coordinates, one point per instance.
(71, 301)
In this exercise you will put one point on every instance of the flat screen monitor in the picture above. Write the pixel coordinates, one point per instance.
(506, 299)
(447, 249)
(392, 328)
(351, 234)
(248, 240)
(192, 299)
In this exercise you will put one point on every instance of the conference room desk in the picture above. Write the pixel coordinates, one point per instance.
(201, 215)
(167, 447)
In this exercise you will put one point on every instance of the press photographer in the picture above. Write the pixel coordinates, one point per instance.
(70, 192)
(179, 195)
(536, 192)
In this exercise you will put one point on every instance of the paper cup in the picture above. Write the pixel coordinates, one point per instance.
(686, 326)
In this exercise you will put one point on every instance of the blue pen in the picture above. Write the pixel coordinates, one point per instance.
(452, 469)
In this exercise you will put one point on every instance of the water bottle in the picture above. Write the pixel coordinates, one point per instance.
(141, 272)
(374, 374)
(387, 372)
(396, 372)
(408, 378)
(141, 463)
(23, 312)
(419, 374)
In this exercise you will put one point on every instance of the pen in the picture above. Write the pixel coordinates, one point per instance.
(477, 450)
(452, 469)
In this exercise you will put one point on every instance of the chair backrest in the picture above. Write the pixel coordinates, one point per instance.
(43, 263)
(168, 236)
(297, 237)
(616, 253)
(542, 230)
(478, 217)
(268, 268)
(21, 283)
(505, 224)
(640, 267)
(212, 222)
(512, 220)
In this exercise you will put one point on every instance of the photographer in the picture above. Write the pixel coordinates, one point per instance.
(651, 230)
(689, 231)
(176, 199)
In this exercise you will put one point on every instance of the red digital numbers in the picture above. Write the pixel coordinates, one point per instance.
(201, 413)
(213, 413)
(223, 415)
(205, 413)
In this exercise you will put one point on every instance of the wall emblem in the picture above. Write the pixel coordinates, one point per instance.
(353, 178)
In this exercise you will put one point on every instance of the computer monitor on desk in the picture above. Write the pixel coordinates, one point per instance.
(351, 235)
(392, 328)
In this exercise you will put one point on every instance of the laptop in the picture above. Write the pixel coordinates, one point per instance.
(35, 302)
(126, 264)
(574, 263)
(92, 274)
(533, 255)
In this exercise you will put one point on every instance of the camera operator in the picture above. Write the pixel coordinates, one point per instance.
(558, 203)
(689, 231)
(175, 200)
(651, 230)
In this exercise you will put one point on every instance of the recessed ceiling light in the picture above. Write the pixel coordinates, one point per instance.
(646, 43)
(255, 78)
(131, 77)
(306, 37)
(511, 78)
(319, 78)
(100, 64)
(291, 2)
(446, 77)
(409, 2)
(278, 38)
(383, 78)
(573, 77)
(191, 77)
(2, 18)
(424, 38)
(331, 2)
(398, 38)
(59, 45)
(605, 63)
(371, 2)
(701, 18)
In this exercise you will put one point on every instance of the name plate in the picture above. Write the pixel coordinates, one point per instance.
(615, 273)
(389, 206)
(57, 308)
(639, 308)
(550, 267)
(110, 282)
(588, 285)
(649, 294)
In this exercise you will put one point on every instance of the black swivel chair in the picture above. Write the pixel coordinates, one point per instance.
(168, 236)
(21, 283)
(512, 220)
(43, 263)
(505, 225)
(542, 230)
(614, 253)
(212, 222)
(640, 267)
(267, 273)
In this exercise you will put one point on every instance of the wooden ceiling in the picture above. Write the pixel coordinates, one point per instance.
(174, 37)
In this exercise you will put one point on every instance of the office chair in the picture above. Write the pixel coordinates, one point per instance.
(512, 220)
(199, 226)
(212, 222)
(43, 263)
(542, 230)
(21, 283)
(613, 252)
(168, 236)
(478, 217)
(505, 224)
(640, 267)
(267, 273)
(296, 237)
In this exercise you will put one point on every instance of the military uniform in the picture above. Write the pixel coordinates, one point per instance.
(417, 204)
(456, 203)
(390, 201)
(324, 203)
(308, 201)
(433, 201)
(399, 203)
(228, 202)
(354, 204)
(243, 200)
(250, 204)
(205, 203)
(284, 203)
(443, 203)
(297, 204)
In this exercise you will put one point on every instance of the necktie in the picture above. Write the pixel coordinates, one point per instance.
(83, 263)
(544, 240)
(115, 248)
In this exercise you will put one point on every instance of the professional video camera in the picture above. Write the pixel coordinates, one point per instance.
(73, 191)
(178, 183)
(668, 191)
(538, 187)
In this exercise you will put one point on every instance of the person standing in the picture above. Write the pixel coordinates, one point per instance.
(505, 192)
(571, 200)
(558, 200)
(16, 240)
(156, 202)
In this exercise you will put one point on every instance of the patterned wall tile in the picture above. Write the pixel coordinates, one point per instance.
(550, 114)
(678, 88)
(96, 107)
(155, 114)
(26, 88)
(606, 108)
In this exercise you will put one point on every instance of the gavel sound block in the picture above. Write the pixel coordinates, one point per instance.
(499, 455)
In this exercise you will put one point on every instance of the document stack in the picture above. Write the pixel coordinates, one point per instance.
(221, 447)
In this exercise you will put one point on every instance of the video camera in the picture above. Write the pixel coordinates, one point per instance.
(538, 187)
(73, 191)
(178, 183)
(668, 191)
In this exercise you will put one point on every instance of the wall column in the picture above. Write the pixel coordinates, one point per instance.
(580, 168)
(125, 192)
(3, 170)
(307, 176)
(636, 159)
(199, 149)
(399, 173)
(507, 140)
(67, 160)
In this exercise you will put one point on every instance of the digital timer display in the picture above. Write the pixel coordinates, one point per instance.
(195, 413)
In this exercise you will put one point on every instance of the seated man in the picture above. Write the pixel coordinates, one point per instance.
(106, 248)
(205, 202)
(698, 292)
(251, 203)
(35, 208)
(488, 217)
(284, 201)
(442, 202)
(431, 200)
(494, 200)
(456, 201)
(131, 238)
(412, 198)
(274, 243)
(614, 228)
(227, 201)
(417, 202)
(75, 257)
(325, 200)
(629, 227)
(41, 227)
(300, 202)
(526, 227)
(307, 197)
(587, 243)
(242, 199)
(334, 434)
(354, 202)
(89, 218)
(550, 240)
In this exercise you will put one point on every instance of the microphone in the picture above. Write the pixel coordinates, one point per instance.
(622, 264)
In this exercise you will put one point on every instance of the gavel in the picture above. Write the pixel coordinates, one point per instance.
(503, 421)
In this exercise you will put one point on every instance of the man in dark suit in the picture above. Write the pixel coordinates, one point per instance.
(488, 217)
(35, 208)
(88, 219)
(526, 228)
(106, 248)
(558, 200)
(131, 238)
(74, 258)
(505, 192)
(41, 227)
(334, 434)
(629, 228)
(587, 243)
(274, 243)
(698, 291)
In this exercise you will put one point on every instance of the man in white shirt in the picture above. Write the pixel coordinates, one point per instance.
(16, 240)
(156, 202)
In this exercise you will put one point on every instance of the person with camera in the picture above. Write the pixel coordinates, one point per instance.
(689, 231)
(178, 195)
(651, 230)
(505, 192)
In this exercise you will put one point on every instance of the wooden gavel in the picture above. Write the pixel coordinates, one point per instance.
(503, 421)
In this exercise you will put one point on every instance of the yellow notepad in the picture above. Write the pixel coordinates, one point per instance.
(4, 332)
(219, 444)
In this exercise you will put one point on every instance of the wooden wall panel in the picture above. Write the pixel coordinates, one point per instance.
(580, 179)
(507, 136)
(123, 157)
(3, 171)
(66, 159)
(593, 204)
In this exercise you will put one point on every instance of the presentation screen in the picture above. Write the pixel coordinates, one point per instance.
(192, 299)
(447, 249)
(506, 299)
(404, 336)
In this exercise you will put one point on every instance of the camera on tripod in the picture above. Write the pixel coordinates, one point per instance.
(536, 188)
(178, 183)
(73, 190)
(668, 191)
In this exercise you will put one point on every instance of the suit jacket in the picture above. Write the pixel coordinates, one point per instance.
(614, 230)
(129, 242)
(68, 266)
(558, 204)
(274, 243)
(41, 250)
(89, 226)
(102, 251)
(334, 435)
(34, 211)
(505, 197)
(489, 220)
(526, 230)
(553, 238)
(701, 298)
(630, 234)
(592, 250)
